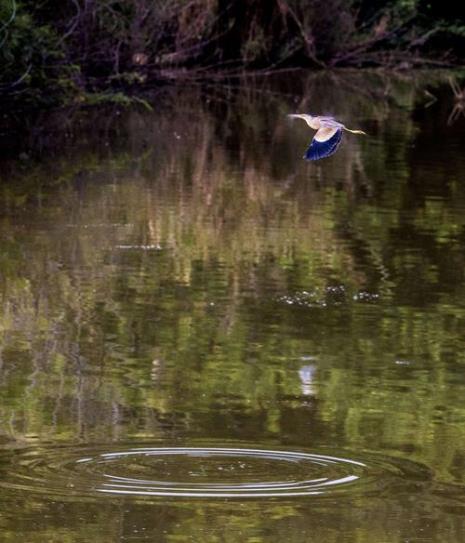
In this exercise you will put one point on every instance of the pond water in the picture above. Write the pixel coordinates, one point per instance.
(206, 338)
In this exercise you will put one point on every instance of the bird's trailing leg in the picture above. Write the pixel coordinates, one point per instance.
(355, 131)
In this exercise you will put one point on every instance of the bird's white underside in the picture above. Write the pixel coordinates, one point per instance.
(325, 133)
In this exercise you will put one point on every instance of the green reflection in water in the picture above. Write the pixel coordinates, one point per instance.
(184, 275)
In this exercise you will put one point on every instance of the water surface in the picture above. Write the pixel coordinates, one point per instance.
(206, 338)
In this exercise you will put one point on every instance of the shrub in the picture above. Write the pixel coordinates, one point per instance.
(57, 50)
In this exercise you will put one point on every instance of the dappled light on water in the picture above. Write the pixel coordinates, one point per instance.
(206, 338)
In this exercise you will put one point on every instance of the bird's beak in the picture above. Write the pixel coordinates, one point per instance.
(298, 116)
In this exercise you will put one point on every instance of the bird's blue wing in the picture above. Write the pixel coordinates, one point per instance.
(322, 149)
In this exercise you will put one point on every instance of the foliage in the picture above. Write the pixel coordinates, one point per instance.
(32, 58)
(56, 51)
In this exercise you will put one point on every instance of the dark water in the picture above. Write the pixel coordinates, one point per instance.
(206, 338)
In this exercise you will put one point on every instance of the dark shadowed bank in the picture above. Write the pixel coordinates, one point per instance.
(60, 51)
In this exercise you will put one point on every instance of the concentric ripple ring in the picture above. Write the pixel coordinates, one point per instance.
(195, 472)
(239, 489)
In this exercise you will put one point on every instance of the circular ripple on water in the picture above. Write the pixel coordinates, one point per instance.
(198, 472)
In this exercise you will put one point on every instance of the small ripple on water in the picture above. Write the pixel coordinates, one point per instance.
(151, 247)
(327, 297)
(198, 472)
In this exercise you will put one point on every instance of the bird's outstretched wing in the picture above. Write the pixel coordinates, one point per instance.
(324, 143)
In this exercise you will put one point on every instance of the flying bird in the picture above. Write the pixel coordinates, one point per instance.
(327, 137)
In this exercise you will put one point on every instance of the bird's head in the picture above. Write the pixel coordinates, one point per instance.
(313, 122)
